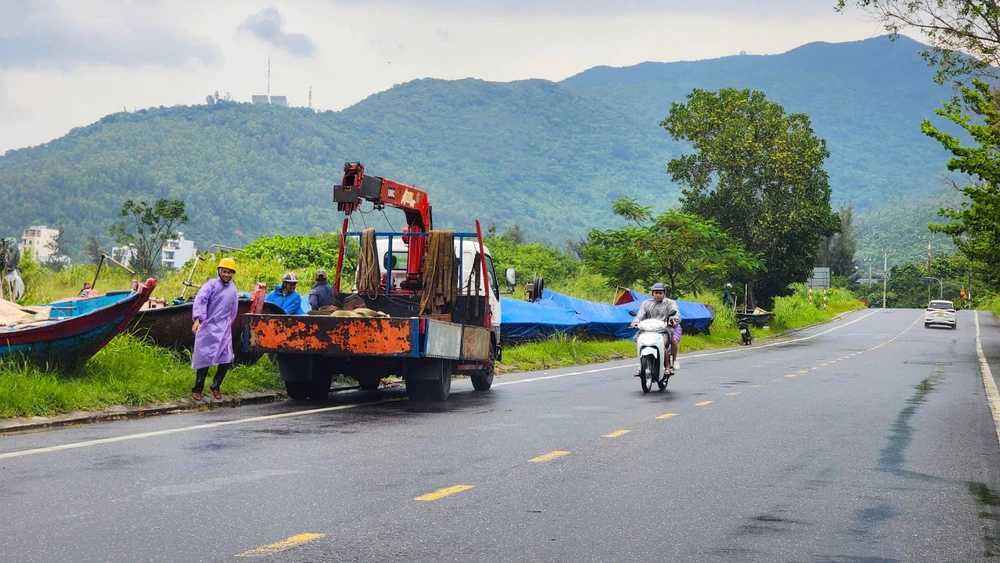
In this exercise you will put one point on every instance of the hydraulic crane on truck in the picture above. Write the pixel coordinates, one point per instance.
(356, 186)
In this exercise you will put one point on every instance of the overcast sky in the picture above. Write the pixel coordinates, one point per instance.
(65, 64)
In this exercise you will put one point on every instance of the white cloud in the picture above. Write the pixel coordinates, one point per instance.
(65, 35)
(268, 26)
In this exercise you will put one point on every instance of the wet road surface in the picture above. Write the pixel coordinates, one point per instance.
(870, 439)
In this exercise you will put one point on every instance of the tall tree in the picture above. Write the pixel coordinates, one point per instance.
(682, 250)
(92, 249)
(758, 172)
(964, 48)
(975, 226)
(147, 227)
(837, 250)
(59, 257)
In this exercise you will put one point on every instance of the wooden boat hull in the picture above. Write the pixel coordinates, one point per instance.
(89, 326)
(170, 327)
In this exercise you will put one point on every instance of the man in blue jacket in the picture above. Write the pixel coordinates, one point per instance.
(285, 296)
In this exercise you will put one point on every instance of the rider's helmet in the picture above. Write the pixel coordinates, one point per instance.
(289, 278)
(658, 287)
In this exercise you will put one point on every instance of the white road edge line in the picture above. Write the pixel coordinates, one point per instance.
(783, 342)
(88, 443)
(991, 387)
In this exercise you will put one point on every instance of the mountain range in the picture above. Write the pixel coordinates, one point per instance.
(550, 156)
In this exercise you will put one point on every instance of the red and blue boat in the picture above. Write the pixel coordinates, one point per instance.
(75, 330)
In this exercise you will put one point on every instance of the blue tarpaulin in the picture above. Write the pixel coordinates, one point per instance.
(694, 315)
(521, 320)
(556, 313)
(605, 319)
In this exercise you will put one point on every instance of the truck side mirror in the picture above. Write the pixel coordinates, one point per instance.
(511, 279)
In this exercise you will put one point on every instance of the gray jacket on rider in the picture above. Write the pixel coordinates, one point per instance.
(664, 310)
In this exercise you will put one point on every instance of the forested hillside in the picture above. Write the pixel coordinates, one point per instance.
(550, 156)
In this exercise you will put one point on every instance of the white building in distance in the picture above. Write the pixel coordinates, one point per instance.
(39, 238)
(177, 252)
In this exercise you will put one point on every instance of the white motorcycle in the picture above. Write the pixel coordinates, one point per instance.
(655, 357)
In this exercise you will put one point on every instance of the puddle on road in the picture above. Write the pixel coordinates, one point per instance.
(989, 504)
(892, 458)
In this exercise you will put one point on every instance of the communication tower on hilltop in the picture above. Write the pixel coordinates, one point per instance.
(268, 98)
(310, 97)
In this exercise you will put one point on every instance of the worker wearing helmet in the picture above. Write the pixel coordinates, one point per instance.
(322, 294)
(663, 308)
(284, 295)
(213, 313)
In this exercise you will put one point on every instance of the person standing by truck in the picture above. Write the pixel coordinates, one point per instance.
(285, 296)
(214, 310)
(322, 294)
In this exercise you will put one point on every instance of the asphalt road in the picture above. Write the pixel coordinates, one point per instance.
(870, 440)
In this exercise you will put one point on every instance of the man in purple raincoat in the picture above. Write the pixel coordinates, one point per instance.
(214, 311)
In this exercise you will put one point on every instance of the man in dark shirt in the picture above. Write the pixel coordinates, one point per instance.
(322, 293)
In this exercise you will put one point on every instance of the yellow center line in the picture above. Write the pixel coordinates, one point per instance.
(548, 457)
(756, 386)
(617, 433)
(822, 365)
(733, 394)
(791, 375)
(803, 371)
(815, 367)
(703, 403)
(668, 415)
(441, 493)
(281, 545)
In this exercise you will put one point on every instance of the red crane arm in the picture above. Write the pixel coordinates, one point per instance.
(356, 186)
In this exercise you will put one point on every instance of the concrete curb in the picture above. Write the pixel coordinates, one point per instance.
(121, 412)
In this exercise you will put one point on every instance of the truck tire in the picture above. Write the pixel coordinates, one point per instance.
(369, 383)
(429, 380)
(483, 380)
(297, 390)
(438, 390)
(319, 389)
(416, 389)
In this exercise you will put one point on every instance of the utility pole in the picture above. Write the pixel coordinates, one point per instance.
(928, 269)
(885, 274)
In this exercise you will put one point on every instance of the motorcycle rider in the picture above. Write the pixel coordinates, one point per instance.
(663, 308)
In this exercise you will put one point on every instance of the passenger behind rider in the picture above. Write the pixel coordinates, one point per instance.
(665, 309)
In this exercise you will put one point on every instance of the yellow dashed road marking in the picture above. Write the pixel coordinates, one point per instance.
(791, 375)
(803, 371)
(668, 415)
(617, 433)
(703, 403)
(548, 457)
(756, 386)
(814, 367)
(733, 394)
(441, 493)
(281, 545)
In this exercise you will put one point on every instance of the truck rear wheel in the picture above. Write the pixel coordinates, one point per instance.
(297, 390)
(429, 380)
(369, 383)
(320, 387)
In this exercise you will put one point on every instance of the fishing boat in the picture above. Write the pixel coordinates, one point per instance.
(170, 326)
(64, 334)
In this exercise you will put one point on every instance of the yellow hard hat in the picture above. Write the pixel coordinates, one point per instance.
(228, 263)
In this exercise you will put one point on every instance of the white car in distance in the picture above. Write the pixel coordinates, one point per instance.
(940, 312)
